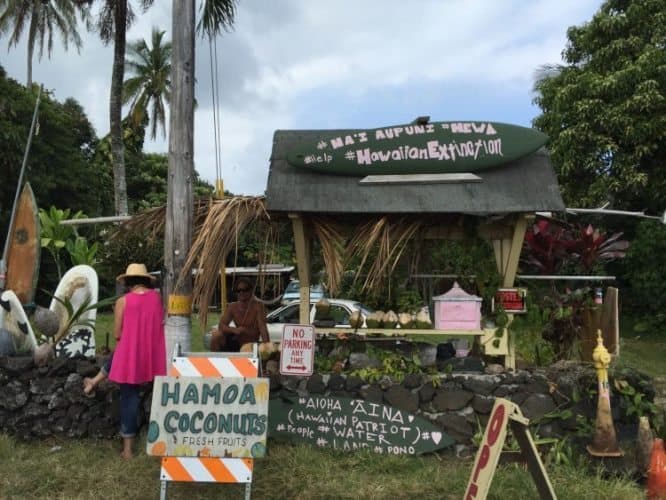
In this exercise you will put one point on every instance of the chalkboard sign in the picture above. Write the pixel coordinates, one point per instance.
(353, 424)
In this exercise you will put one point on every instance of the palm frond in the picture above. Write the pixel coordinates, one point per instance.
(332, 241)
(382, 243)
(217, 235)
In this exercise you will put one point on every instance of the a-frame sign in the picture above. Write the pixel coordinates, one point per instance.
(505, 412)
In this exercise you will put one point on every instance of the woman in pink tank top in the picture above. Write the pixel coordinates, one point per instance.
(140, 353)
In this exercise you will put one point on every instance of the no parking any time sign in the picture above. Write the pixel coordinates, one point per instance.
(297, 356)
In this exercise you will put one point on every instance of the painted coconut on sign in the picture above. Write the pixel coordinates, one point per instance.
(431, 148)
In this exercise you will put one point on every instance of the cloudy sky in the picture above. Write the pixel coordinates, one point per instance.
(315, 64)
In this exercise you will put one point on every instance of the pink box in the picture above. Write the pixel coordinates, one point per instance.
(457, 310)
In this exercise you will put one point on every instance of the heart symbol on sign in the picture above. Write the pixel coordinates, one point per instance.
(411, 418)
(436, 437)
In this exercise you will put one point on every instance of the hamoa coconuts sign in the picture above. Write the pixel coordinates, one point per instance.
(208, 417)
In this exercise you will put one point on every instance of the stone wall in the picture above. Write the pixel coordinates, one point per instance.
(560, 401)
(49, 401)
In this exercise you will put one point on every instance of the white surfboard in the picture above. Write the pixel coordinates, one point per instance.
(14, 319)
(78, 283)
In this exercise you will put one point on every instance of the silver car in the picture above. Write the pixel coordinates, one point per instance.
(337, 317)
(293, 292)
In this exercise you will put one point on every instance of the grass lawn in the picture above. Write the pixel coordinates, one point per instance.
(91, 469)
(104, 324)
(646, 353)
(64, 469)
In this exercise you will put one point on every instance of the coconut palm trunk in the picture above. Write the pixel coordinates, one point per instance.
(31, 50)
(115, 109)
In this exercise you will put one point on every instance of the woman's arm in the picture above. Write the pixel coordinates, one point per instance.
(118, 311)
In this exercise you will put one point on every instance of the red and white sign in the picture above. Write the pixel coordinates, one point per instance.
(512, 300)
(489, 450)
(297, 356)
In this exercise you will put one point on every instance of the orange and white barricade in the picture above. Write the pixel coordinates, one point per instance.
(210, 469)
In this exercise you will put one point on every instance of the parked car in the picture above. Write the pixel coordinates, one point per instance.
(293, 292)
(340, 311)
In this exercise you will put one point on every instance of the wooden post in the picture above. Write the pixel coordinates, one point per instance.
(507, 255)
(302, 244)
(178, 227)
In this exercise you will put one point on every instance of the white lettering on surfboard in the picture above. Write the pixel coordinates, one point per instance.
(359, 137)
(434, 150)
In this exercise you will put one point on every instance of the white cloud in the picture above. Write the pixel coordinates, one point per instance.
(285, 55)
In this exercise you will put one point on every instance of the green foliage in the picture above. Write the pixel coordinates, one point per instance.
(75, 316)
(81, 252)
(56, 236)
(409, 301)
(646, 272)
(116, 253)
(527, 331)
(605, 109)
(637, 404)
(471, 257)
(59, 164)
(393, 364)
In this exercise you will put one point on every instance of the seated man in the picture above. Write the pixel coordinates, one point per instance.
(247, 314)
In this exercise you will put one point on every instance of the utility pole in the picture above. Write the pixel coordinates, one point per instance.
(178, 225)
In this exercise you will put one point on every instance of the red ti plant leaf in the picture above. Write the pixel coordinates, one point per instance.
(593, 247)
(546, 246)
(549, 244)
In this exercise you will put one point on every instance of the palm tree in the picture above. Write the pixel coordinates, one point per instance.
(42, 18)
(114, 19)
(152, 84)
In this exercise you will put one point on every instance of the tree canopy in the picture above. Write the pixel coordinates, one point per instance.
(605, 109)
(59, 165)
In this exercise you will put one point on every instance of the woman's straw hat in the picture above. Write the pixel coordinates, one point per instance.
(136, 270)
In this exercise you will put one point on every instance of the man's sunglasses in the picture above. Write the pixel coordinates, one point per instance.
(242, 290)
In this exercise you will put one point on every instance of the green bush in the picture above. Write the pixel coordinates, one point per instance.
(646, 271)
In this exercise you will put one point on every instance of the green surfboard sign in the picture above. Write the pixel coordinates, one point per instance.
(353, 424)
(432, 148)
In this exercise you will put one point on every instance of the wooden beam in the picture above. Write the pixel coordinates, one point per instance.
(302, 245)
(516, 245)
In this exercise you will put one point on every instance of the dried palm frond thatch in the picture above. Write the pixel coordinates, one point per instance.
(385, 241)
(332, 241)
(150, 222)
(217, 236)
